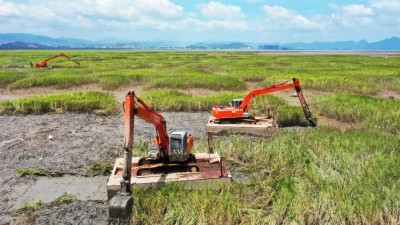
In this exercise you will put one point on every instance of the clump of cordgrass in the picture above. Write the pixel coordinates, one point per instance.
(176, 204)
(212, 82)
(382, 114)
(98, 167)
(287, 115)
(350, 173)
(325, 83)
(65, 198)
(141, 148)
(37, 172)
(311, 176)
(91, 101)
(9, 76)
(31, 207)
(114, 80)
(58, 81)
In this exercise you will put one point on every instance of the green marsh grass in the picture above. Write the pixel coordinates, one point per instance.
(376, 113)
(339, 84)
(31, 207)
(59, 81)
(8, 77)
(176, 204)
(305, 176)
(212, 70)
(65, 198)
(322, 175)
(212, 82)
(91, 101)
(36, 172)
(98, 167)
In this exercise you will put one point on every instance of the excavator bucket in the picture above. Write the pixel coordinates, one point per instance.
(75, 61)
(313, 121)
(120, 207)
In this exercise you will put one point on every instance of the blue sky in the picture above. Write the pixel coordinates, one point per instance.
(201, 20)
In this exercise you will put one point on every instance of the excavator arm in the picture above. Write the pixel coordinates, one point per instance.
(145, 112)
(121, 205)
(44, 63)
(244, 106)
(283, 85)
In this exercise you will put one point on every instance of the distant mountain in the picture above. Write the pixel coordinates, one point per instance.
(387, 44)
(44, 40)
(204, 45)
(29, 41)
(23, 45)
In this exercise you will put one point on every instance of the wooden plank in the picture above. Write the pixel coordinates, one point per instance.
(263, 127)
(209, 174)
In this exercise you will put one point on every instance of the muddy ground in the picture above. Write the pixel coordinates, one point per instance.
(68, 143)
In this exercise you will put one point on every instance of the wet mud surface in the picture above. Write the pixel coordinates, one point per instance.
(68, 143)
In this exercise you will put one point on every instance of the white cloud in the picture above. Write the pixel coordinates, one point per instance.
(254, 1)
(163, 8)
(278, 12)
(10, 9)
(386, 5)
(135, 8)
(388, 14)
(159, 19)
(356, 17)
(92, 13)
(219, 11)
(227, 17)
(357, 10)
(333, 6)
(280, 17)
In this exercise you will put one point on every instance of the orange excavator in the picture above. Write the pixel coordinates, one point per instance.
(44, 63)
(166, 154)
(239, 108)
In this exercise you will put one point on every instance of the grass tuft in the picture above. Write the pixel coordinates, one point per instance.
(380, 114)
(211, 82)
(98, 167)
(91, 101)
(304, 176)
(31, 207)
(176, 204)
(58, 81)
(36, 172)
(65, 198)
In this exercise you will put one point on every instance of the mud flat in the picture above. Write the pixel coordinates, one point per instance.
(67, 144)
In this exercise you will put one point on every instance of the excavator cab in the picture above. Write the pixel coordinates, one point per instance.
(178, 147)
(236, 102)
(153, 151)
